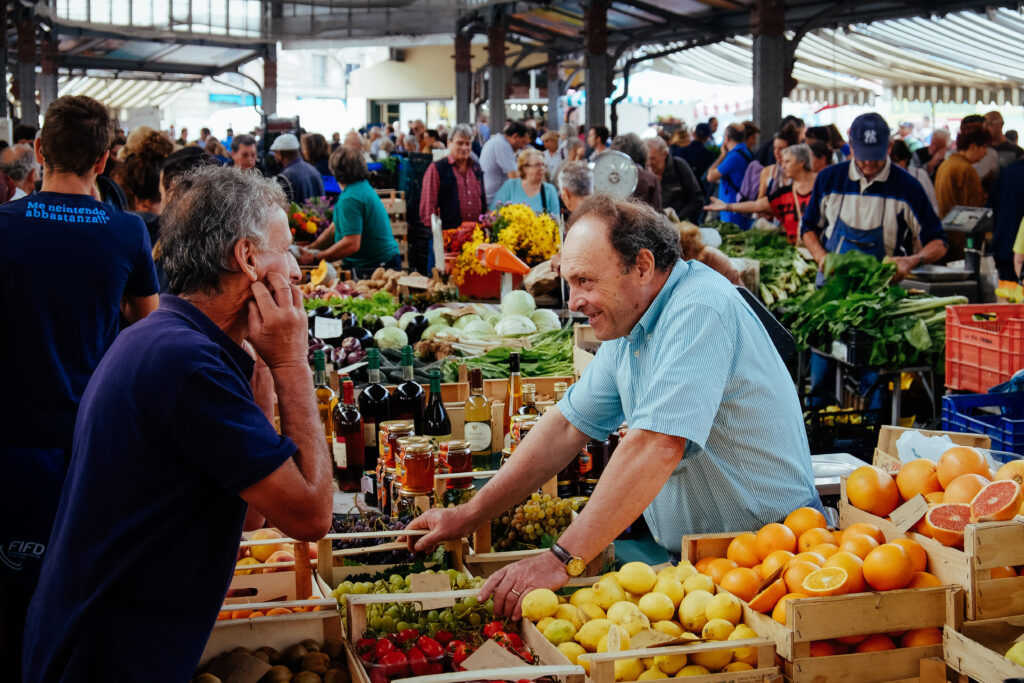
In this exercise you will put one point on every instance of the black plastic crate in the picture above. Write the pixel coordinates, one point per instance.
(844, 431)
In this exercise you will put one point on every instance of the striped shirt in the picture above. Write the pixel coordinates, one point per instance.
(700, 365)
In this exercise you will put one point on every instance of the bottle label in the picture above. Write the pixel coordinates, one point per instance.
(370, 433)
(340, 454)
(478, 434)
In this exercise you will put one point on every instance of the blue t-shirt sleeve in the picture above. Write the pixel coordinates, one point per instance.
(348, 216)
(733, 165)
(593, 405)
(221, 431)
(143, 280)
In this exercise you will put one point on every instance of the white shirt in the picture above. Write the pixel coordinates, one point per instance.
(921, 176)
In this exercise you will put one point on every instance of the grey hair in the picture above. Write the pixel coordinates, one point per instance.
(632, 227)
(411, 139)
(214, 208)
(631, 145)
(572, 143)
(657, 142)
(18, 161)
(801, 153)
(576, 178)
(463, 129)
(567, 131)
(386, 145)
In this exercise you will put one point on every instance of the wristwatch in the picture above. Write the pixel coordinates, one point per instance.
(574, 565)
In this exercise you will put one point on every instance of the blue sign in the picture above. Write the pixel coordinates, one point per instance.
(238, 100)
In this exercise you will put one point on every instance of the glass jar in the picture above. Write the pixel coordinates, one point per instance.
(418, 467)
(506, 453)
(412, 504)
(455, 457)
(400, 455)
(453, 497)
(598, 449)
(384, 439)
(568, 480)
(521, 426)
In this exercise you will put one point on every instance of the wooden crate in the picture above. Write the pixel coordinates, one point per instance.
(394, 201)
(811, 619)
(399, 228)
(495, 389)
(552, 662)
(978, 649)
(986, 546)
(886, 451)
(337, 571)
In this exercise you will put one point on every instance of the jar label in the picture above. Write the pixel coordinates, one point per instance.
(478, 434)
(340, 454)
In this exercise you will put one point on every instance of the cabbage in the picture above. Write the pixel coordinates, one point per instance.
(390, 338)
(460, 323)
(434, 329)
(515, 326)
(388, 321)
(406, 318)
(436, 315)
(492, 317)
(478, 328)
(518, 302)
(546, 320)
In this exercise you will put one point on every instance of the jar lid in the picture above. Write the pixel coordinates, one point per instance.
(406, 428)
(406, 440)
(456, 445)
(523, 419)
(418, 447)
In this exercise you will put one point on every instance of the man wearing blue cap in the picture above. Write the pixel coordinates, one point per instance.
(869, 204)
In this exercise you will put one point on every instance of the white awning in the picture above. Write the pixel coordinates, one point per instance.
(121, 94)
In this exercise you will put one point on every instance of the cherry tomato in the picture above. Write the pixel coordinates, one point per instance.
(429, 647)
(377, 675)
(418, 663)
(365, 645)
(492, 628)
(408, 635)
(395, 664)
(383, 647)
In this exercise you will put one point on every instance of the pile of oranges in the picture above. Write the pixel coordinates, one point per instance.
(272, 612)
(878, 642)
(811, 560)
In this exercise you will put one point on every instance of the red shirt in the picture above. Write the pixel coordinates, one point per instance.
(468, 188)
(785, 209)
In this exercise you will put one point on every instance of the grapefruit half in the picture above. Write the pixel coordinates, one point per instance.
(998, 501)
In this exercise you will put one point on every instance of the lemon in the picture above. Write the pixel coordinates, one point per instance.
(658, 606)
(672, 587)
(652, 674)
(590, 611)
(570, 614)
(592, 632)
(692, 611)
(633, 597)
(669, 628)
(712, 660)
(670, 664)
(539, 603)
(543, 623)
(634, 623)
(602, 644)
(685, 570)
(692, 670)
(560, 631)
(725, 606)
(737, 666)
(619, 611)
(614, 576)
(715, 629)
(628, 669)
(699, 582)
(637, 577)
(571, 650)
(582, 597)
(1016, 653)
(607, 593)
(746, 655)
(584, 661)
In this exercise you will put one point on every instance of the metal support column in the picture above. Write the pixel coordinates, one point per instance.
(498, 70)
(270, 80)
(48, 79)
(463, 77)
(554, 94)
(598, 67)
(771, 71)
(27, 70)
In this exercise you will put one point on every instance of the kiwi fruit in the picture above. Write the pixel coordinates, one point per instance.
(293, 655)
(317, 662)
(333, 649)
(310, 645)
(206, 678)
(277, 674)
(240, 651)
(261, 654)
(306, 677)
(336, 676)
(275, 656)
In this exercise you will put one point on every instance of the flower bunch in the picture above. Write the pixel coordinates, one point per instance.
(309, 220)
(532, 237)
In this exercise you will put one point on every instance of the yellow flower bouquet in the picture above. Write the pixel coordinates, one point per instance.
(532, 237)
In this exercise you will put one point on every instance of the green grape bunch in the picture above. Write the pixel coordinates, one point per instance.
(536, 523)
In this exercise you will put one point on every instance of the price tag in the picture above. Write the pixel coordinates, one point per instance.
(415, 281)
(839, 350)
(910, 513)
(890, 464)
(432, 583)
(490, 655)
(327, 328)
(366, 484)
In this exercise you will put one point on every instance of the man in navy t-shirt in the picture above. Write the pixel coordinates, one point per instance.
(69, 265)
(174, 442)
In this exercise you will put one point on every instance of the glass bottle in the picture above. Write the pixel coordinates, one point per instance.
(408, 399)
(349, 443)
(374, 407)
(529, 406)
(478, 421)
(436, 423)
(513, 397)
(325, 398)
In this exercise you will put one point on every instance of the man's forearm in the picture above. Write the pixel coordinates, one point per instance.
(339, 250)
(324, 239)
(933, 251)
(813, 245)
(642, 463)
(300, 421)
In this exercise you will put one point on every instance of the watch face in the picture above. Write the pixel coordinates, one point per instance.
(576, 566)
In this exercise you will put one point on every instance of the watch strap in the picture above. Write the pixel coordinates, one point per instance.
(561, 553)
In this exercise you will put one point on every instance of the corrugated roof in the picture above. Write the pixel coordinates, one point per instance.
(123, 93)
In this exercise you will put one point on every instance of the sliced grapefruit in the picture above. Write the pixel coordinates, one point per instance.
(1012, 470)
(998, 501)
(946, 523)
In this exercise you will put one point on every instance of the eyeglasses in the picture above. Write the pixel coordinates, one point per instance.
(537, 165)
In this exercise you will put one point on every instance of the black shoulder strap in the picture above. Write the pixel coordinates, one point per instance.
(543, 198)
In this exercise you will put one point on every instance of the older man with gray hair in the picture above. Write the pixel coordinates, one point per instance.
(575, 183)
(680, 190)
(175, 449)
(20, 165)
(648, 187)
(453, 187)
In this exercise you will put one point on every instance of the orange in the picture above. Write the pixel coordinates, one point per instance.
(919, 637)
(278, 610)
(716, 569)
(958, 461)
(241, 613)
(741, 582)
(858, 545)
(923, 580)
(766, 600)
(772, 537)
(826, 550)
(822, 648)
(803, 519)
(851, 640)
(808, 556)
(854, 567)
(1003, 572)
(742, 551)
(256, 614)
(221, 616)
(701, 565)
(876, 643)
(888, 567)
(917, 476)
(935, 497)
(757, 568)
(864, 529)
(964, 488)
(831, 581)
(774, 561)
(997, 502)
(813, 537)
(946, 523)
(918, 557)
(873, 490)
(840, 648)
(796, 572)
(779, 613)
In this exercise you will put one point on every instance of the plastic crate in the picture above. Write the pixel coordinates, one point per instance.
(844, 431)
(984, 345)
(1004, 425)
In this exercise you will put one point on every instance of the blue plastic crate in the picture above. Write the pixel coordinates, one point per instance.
(998, 416)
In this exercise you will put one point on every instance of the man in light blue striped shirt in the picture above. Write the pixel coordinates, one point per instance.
(716, 438)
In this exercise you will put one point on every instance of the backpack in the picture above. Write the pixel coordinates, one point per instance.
(751, 182)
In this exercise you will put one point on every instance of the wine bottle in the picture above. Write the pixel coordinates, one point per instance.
(407, 402)
(325, 398)
(375, 407)
(436, 423)
(513, 397)
(349, 446)
(478, 421)
(529, 406)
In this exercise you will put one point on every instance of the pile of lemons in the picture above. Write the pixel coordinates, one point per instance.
(677, 601)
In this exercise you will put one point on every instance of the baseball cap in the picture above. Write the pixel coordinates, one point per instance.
(869, 137)
(285, 142)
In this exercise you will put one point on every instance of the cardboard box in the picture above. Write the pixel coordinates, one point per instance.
(886, 455)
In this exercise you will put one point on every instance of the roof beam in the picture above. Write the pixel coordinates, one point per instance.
(103, 63)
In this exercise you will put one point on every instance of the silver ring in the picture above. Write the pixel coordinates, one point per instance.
(518, 594)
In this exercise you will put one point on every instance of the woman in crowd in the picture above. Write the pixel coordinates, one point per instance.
(821, 155)
(679, 140)
(140, 177)
(217, 151)
(773, 176)
(316, 152)
(787, 203)
(957, 182)
(901, 156)
(529, 188)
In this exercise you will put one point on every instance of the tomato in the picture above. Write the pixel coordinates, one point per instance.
(395, 664)
(377, 675)
(517, 642)
(457, 650)
(436, 668)
(493, 628)
(383, 647)
(418, 663)
(408, 635)
(430, 647)
(365, 645)
(443, 637)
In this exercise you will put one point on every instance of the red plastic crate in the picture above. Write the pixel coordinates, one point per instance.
(984, 345)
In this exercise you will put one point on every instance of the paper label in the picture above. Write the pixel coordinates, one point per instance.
(366, 484)
(839, 350)
(490, 655)
(327, 328)
(370, 434)
(340, 454)
(910, 513)
(414, 281)
(478, 434)
(432, 583)
(887, 462)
